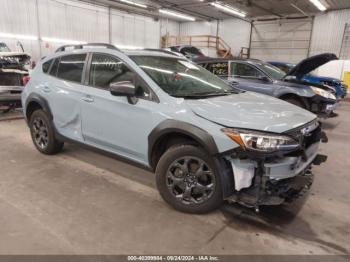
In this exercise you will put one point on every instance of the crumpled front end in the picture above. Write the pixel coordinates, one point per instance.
(272, 179)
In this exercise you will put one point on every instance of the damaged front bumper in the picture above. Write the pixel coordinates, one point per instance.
(275, 179)
(323, 107)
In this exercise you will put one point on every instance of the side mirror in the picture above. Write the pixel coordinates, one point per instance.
(264, 79)
(123, 88)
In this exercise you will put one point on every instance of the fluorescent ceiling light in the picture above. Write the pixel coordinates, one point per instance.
(176, 14)
(17, 36)
(229, 9)
(62, 41)
(133, 3)
(319, 5)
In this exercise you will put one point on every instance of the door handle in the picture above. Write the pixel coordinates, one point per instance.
(88, 99)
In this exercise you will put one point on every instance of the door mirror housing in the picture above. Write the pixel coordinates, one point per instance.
(264, 79)
(122, 88)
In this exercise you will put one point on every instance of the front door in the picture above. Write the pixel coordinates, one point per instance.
(249, 78)
(112, 122)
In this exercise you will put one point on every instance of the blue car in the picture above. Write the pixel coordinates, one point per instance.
(340, 87)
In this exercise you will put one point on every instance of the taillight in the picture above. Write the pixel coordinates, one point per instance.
(26, 80)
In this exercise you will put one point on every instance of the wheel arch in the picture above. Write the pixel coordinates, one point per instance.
(303, 100)
(172, 132)
(35, 102)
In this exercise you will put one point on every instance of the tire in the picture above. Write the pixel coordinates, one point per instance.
(43, 133)
(296, 102)
(203, 183)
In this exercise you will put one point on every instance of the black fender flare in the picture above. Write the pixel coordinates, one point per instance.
(175, 126)
(39, 100)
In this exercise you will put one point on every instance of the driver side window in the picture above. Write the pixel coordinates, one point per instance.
(244, 70)
(106, 69)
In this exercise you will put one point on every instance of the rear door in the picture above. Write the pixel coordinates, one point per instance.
(249, 78)
(111, 122)
(63, 91)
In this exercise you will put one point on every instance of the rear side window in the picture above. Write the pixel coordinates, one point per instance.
(46, 66)
(71, 67)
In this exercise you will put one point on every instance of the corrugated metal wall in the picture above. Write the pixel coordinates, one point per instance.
(281, 40)
(72, 20)
(328, 32)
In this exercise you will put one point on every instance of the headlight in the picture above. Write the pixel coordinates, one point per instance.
(259, 141)
(321, 92)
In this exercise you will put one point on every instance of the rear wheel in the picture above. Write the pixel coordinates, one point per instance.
(43, 133)
(188, 180)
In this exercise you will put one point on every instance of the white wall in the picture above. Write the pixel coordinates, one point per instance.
(72, 20)
(328, 32)
(235, 32)
(285, 40)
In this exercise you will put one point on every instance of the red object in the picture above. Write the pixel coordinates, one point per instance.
(26, 80)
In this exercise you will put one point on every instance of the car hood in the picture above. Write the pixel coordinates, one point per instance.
(250, 110)
(310, 64)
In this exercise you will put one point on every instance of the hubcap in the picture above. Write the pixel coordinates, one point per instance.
(40, 133)
(190, 180)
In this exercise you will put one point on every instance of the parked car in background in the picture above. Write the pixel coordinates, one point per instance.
(12, 71)
(258, 76)
(189, 51)
(205, 140)
(340, 87)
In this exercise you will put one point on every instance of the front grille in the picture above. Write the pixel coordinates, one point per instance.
(305, 138)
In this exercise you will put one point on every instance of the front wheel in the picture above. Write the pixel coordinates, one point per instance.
(188, 179)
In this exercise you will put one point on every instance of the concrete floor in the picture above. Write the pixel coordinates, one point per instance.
(81, 202)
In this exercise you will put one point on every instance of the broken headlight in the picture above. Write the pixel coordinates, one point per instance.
(260, 141)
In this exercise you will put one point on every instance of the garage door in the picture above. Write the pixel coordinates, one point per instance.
(286, 41)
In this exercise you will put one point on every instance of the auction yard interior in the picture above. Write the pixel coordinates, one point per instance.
(93, 198)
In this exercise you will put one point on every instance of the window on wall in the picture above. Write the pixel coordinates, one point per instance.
(106, 69)
(244, 70)
(71, 67)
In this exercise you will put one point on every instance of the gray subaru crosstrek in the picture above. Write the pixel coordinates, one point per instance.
(205, 140)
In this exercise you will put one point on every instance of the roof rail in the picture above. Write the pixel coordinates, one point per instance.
(163, 51)
(81, 46)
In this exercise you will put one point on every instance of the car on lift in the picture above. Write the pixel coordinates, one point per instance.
(13, 69)
(205, 140)
(257, 76)
(340, 86)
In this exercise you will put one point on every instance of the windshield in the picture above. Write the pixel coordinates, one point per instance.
(272, 71)
(4, 48)
(182, 78)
